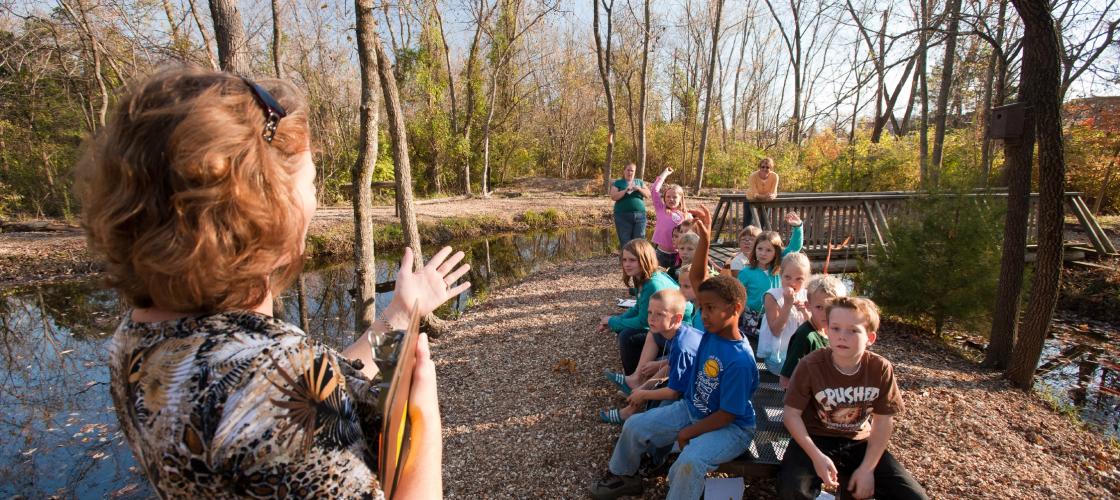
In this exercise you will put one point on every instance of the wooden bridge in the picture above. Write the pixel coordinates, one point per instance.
(842, 228)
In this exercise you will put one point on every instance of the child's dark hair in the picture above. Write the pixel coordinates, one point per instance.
(726, 288)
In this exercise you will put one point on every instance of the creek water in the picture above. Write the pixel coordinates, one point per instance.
(58, 430)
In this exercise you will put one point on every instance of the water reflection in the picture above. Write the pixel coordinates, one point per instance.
(1082, 372)
(58, 431)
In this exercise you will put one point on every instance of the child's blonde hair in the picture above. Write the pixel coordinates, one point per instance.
(796, 259)
(775, 240)
(680, 194)
(830, 285)
(689, 239)
(647, 259)
(862, 305)
(672, 298)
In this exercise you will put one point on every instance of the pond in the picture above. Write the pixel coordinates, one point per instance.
(58, 430)
(1080, 370)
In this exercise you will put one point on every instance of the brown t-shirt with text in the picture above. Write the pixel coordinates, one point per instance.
(834, 404)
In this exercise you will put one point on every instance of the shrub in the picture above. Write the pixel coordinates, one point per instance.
(548, 218)
(941, 260)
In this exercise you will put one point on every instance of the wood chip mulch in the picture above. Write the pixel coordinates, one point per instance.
(521, 381)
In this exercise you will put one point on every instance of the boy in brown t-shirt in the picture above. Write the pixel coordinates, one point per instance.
(833, 395)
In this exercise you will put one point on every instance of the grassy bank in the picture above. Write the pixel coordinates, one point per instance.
(336, 242)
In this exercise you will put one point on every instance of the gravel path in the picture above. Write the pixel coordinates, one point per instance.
(520, 381)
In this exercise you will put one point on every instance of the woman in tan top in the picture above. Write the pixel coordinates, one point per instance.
(763, 183)
(198, 195)
(761, 186)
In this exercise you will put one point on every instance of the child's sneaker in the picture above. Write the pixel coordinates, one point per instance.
(611, 486)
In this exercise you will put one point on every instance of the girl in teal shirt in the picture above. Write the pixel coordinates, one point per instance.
(764, 271)
(640, 271)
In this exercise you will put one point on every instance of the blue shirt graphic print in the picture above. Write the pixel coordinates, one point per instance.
(682, 354)
(725, 377)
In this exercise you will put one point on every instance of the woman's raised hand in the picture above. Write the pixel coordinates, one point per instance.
(667, 172)
(431, 286)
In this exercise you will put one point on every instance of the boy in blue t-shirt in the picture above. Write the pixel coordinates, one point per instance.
(681, 343)
(714, 421)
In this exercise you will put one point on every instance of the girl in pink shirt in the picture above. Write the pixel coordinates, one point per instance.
(670, 213)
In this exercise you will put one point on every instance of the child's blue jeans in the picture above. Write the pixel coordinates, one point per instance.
(658, 428)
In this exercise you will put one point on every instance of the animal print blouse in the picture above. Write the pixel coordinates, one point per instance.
(239, 404)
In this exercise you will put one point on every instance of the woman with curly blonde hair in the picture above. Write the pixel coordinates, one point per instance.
(198, 194)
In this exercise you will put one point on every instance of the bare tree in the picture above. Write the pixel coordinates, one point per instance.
(603, 56)
(923, 93)
(994, 77)
(276, 39)
(81, 19)
(365, 269)
(207, 43)
(232, 44)
(800, 53)
(647, 28)
(953, 11)
(708, 99)
(482, 13)
(179, 43)
(1079, 55)
(398, 137)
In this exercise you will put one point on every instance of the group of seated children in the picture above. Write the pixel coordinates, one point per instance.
(689, 371)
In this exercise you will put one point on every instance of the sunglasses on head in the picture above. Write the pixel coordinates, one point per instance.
(273, 111)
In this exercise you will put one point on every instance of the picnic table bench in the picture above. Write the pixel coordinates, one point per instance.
(771, 438)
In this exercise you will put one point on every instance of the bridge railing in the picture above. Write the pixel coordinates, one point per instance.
(859, 221)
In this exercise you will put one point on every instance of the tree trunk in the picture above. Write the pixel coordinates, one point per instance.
(994, 77)
(207, 43)
(1041, 79)
(179, 44)
(365, 270)
(604, 63)
(1107, 182)
(301, 299)
(1005, 315)
(398, 137)
(471, 85)
(276, 39)
(232, 49)
(708, 99)
(491, 101)
(642, 93)
(888, 110)
(95, 55)
(904, 128)
(923, 94)
(941, 112)
(735, 85)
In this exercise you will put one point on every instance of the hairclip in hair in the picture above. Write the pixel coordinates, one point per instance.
(273, 111)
